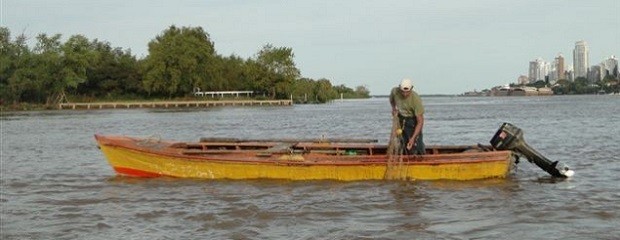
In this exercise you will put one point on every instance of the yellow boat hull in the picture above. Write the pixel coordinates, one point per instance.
(128, 158)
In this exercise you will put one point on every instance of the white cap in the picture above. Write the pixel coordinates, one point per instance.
(406, 85)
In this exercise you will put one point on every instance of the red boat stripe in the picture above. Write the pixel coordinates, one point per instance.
(135, 173)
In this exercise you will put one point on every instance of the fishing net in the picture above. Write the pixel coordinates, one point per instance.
(395, 168)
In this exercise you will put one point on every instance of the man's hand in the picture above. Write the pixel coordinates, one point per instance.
(411, 143)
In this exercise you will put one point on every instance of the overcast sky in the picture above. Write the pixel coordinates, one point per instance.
(446, 47)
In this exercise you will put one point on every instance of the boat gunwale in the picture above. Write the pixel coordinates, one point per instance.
(326, 160)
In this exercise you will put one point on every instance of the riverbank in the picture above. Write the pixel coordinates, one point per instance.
(173, 104)
(143, 104)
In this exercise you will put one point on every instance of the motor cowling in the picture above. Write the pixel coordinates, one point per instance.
(510, 137)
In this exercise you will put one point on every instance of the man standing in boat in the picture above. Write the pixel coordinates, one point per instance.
(407, 107)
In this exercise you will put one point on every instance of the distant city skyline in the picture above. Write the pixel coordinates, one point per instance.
(539, 69)
(446, 47)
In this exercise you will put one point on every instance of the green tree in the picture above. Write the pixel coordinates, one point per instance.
(362, 91)
(281, 70)
(17, 80)
(76, 56)
(9, 54)
(258, 77)
(562, 87)
(538, 84)
(42, 77)
(179, 59)
(234, 74)
(610, 84)
(303, 90)
(6, 55)
(581, 85)
(359, 92)
(228, 74)
(113, 72)
(324, 91)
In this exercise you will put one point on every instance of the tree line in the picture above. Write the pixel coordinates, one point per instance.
(581, 85)
(180, 60)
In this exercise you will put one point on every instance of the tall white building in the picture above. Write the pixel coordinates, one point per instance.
(570, 74)
(610, 66)
(544, 70)
(581, 55)
(538, 70)
(553, 72)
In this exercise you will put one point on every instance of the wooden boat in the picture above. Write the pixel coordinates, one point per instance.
(320, 159)
(345, 160)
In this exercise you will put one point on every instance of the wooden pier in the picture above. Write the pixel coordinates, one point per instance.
(174, 104)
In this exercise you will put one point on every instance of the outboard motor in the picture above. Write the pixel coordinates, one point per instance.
(510, 137)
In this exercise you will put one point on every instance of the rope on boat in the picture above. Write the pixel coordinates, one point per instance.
(395, 168)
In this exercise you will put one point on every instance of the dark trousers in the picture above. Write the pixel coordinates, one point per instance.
(407, 124)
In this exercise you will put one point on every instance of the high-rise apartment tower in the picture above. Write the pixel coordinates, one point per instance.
(581, 59)
(559, 67)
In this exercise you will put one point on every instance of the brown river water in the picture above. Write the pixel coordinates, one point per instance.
(56, 184)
